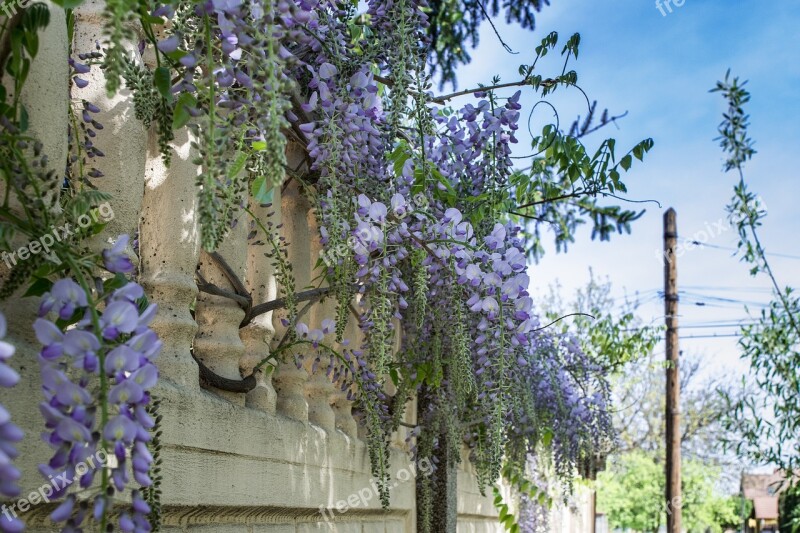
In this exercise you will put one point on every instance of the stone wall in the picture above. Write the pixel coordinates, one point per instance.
(279, 458)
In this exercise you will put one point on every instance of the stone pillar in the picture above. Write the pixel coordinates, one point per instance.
(289, 381)
(169, 248)
(342, 407)
(263, 288)
(217, 343)
(123, 138)
(319, 388)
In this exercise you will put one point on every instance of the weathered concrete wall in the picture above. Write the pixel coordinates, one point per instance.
(278, 459)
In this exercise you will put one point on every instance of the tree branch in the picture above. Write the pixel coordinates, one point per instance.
(210, 288)
(280, 303)
(557, 198)
(212, 379)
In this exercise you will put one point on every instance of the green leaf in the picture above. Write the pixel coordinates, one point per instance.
(547, 438)
(259, 146)
(625, 162)
(24, 121)
(32, 44)
(119, 280)
(163, 82)
(177, 55)
(182, 116)
(399, 157)
(259, 190)
(239, 161)
(68, 4)
(38, 287)
(147, 18)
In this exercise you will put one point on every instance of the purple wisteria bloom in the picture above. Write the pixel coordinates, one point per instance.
(10, 434)
(65, 297)
(169, 45)
(119, 317)
(122, 350)
(115, 259)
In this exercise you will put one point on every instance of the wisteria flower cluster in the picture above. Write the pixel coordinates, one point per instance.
(97, 373)
(10, 434)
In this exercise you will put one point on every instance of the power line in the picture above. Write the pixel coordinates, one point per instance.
(727, 289)
(701, 326)
(742, 320)
(730, 249)
(698, 326)
(722, 299)
(721, 336)
(708, 336)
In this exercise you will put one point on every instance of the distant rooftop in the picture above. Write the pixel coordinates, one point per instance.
(760, 485)
(765, 507)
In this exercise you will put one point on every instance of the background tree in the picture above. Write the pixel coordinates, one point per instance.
(763, 425)
(454, 26)
(611, 335)
(639, 414)
(631, 490)
(631, 493)
(789, 513)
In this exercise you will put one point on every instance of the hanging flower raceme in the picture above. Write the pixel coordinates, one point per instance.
(97, 374)
(10, 434)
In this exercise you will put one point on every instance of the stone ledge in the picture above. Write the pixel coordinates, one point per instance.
(202, 515)
(234, 456)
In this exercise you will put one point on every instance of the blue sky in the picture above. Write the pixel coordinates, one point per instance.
(659, 69)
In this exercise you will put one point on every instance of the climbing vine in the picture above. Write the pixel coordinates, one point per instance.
(426, 221)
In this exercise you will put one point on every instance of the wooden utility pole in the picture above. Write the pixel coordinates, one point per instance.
(673, 417)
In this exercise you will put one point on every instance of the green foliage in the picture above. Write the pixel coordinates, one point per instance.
(631, 493)
(733, 137)
(119, 14)
(23, 36)
(789, 510)
(522, 486)
(454, 25)
(728, 511)
(31, 180)
(563, 186)
(612, 338)
(766, 423)
(152, 494)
